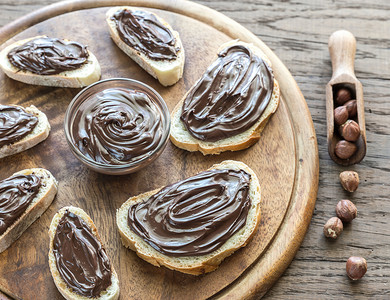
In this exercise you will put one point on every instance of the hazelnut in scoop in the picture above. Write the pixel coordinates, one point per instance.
(345, 149)
(350, 131)
(343, 95)
(351, 106)
(340, 115)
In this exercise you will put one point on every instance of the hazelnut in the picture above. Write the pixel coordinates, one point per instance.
(343, 95)
(351, 106)
(350, 131)
(345, 149)
(346, 210)
(356, 267)
(349, 180)
(340, 115)
(333, 228)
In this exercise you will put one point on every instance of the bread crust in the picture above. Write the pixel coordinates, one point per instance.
(111, 293)
(166, 72)
(205, 263)
(36, 208)
(181, 138)
(89, 73)
(38, 134)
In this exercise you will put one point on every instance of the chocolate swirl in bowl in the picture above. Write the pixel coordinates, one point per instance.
(117, 126)
(195, 216)
(16, 194)
(48, 56)
(142, 31)
(15, 124)
(230, 97)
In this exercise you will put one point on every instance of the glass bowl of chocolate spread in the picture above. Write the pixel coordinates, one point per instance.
(117, 126)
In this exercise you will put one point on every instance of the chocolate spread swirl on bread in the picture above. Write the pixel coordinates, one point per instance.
(80, 258)
(192, 225)
(194, 216)
(48, 56)
(145, 33)
(16, 123)
(230, 97)
(16, 194)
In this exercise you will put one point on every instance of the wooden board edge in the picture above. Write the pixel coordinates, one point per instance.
(304, 194)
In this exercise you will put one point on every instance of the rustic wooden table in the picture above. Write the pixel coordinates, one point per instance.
(298, 33)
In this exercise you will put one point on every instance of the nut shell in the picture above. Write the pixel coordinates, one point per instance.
(345, 149)
(356, 267)
(346, 211)
(349, 180)
(343, 95)
(350, 131)
(340, 115)
(351, 106)
(333, 228)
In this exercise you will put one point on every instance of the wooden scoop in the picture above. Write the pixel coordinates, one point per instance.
(342, 48)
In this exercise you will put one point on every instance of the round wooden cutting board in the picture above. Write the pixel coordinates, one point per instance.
(285, 160)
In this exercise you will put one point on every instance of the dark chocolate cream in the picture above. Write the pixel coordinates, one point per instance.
(80, 258)
(230, 96)
(16, 194)
(195, 216)
(15, 123)
(117, 126)
(48, 56)
(142, 31)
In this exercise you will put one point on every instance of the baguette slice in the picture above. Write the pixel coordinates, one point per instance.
(89, 72)
(181, 138)
(111, 293)
(36, 208)
(37, 135)
(165, 71)
(195, 265)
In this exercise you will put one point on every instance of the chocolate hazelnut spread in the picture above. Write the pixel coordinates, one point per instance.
(16, 194)
(142, 31)
(195, 216)
(117, 126)
(48, 56)
(15, 123)
(80, 257)
(230, 96)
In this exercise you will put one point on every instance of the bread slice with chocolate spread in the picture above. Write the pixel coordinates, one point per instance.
(182, 138)
(198, 210)
(87, 73)
(77, 227)
(37, 206)
(38, 134)
(166, 68)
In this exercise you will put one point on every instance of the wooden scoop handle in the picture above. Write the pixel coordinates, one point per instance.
(342, 49)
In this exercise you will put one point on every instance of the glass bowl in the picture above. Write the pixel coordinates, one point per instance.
(100, 146)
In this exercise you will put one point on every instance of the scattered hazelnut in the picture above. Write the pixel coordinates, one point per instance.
(350, 131)
(340, 115)
(345, 149)
(346, 210)
(349, 180)
(351, 106)
(333, 228)
(343, 95)
(356, 267)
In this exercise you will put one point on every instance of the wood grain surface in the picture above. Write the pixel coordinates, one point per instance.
(298, 32)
